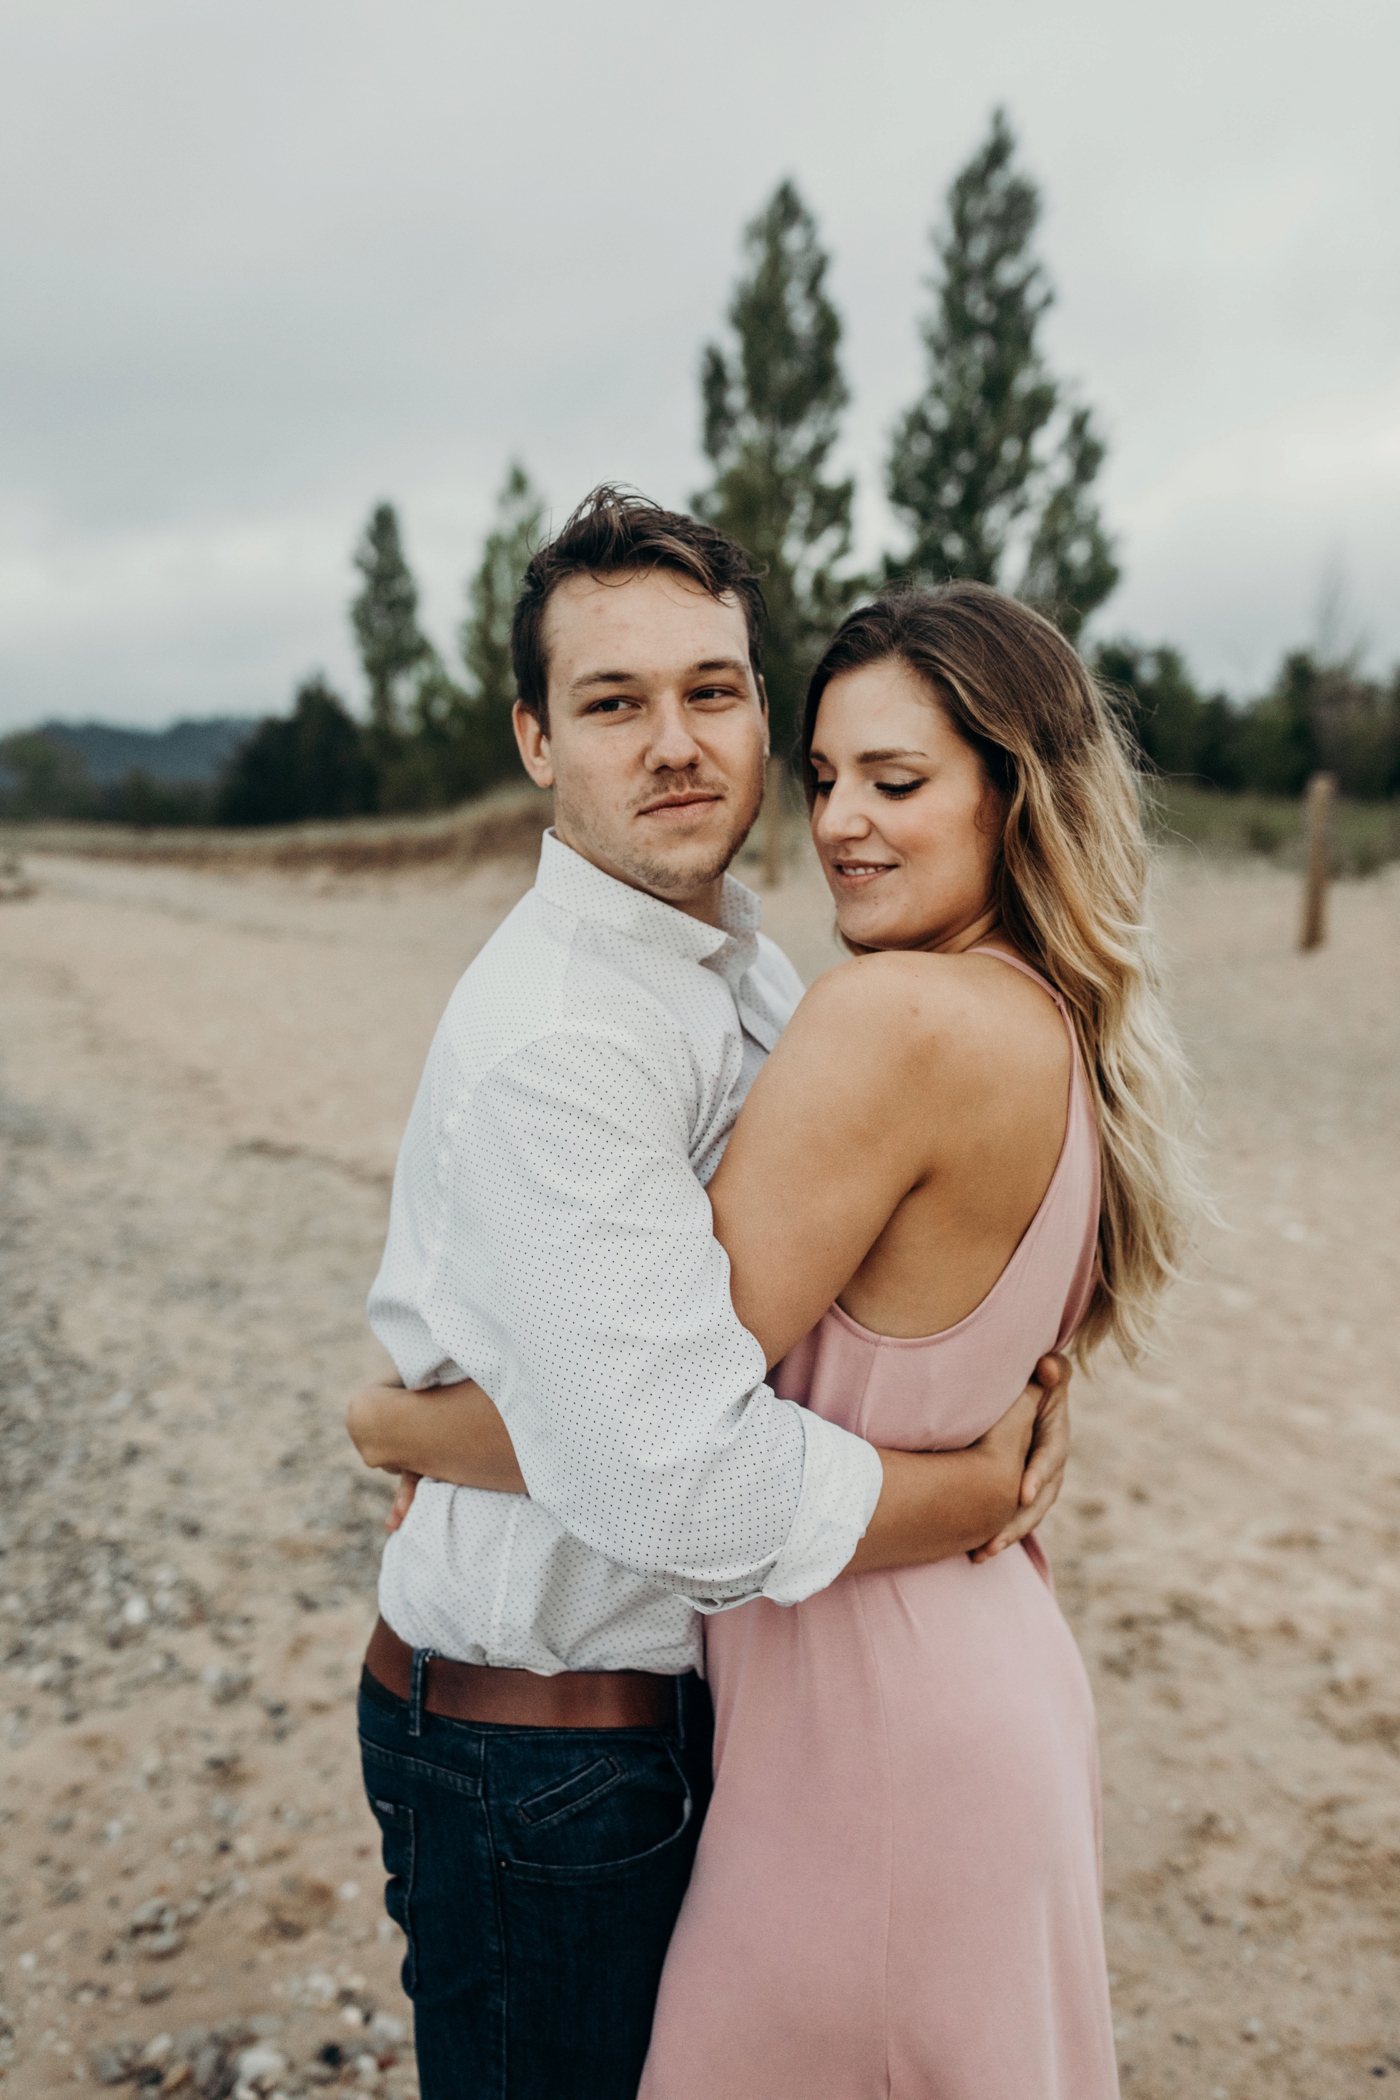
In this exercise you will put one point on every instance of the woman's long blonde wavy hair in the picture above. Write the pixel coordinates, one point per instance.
(1070, 889)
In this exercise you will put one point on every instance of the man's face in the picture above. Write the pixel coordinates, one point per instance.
(657, 732)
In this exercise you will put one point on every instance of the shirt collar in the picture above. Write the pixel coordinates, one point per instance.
(565, 878)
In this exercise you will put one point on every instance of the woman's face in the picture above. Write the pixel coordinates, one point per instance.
(905, 821)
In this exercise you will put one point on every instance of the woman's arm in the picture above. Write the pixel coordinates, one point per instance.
(933, 1503)
(447, 1432)
(835, 1133)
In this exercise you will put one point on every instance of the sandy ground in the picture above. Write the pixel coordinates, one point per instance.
(203, 1082)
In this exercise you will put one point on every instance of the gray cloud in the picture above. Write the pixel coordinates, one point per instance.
(264, 265)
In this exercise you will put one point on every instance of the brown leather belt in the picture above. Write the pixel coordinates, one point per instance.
(519, 1698)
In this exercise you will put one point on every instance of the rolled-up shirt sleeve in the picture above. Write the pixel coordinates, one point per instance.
(560, 1250)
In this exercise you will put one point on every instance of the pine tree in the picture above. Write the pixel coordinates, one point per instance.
(972, 465)
(314, 763)
(772, 405)
(491, 595)
(460, 735)
(43, 777)
(385, 619)
(1070, 567)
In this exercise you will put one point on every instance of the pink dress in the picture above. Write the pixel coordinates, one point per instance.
(897, 1894)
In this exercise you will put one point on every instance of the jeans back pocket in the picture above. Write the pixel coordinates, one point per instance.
(585, 1808)
(565, 1797)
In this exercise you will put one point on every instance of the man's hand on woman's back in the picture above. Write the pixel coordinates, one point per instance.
(1045, 1461)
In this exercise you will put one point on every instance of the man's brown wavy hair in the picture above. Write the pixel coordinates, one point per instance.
(617, 532)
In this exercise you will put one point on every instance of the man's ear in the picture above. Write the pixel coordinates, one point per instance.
(763, 704)
(533, 745)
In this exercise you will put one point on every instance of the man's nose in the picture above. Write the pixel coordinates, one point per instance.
(672, 746)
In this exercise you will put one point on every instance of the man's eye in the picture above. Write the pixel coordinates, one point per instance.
(823, 787)
(609, 706)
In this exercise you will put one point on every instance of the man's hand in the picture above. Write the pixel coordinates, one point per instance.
(1046, 1459)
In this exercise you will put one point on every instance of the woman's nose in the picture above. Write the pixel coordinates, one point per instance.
(838, 815)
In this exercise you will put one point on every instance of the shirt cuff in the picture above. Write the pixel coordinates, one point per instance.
(841, 1482)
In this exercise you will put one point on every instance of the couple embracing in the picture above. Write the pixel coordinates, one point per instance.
(725, 1737)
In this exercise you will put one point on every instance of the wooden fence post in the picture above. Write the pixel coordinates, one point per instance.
(774, 822)
(1318, 819)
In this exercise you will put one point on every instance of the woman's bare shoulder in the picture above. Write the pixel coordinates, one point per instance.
(895, 1008)
(928, 992)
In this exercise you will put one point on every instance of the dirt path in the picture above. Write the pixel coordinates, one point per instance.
(202, 1086)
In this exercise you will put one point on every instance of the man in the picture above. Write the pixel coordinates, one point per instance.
(536, 1740)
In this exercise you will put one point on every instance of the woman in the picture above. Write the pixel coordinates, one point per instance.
(959, 1157)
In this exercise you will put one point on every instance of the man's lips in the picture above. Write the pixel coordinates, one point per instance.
(669, 805)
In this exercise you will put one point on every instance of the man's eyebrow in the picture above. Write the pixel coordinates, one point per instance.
(577, 685)
(711, 663)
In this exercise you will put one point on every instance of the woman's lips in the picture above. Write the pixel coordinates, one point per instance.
(856, 874)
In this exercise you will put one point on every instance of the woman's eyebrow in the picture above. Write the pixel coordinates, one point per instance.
(866, 758)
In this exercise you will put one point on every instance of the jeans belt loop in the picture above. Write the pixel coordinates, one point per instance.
(421, 1658)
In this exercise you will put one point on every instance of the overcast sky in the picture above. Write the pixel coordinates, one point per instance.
(266, 263)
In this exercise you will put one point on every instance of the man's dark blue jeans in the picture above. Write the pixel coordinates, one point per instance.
(536, 1873)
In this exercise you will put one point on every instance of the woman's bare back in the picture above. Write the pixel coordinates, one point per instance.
(895, 1147)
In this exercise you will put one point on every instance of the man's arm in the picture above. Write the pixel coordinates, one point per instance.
(549, 1238)
(932, 1504)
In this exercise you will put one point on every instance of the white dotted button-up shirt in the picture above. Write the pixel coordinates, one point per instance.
(550, 1237)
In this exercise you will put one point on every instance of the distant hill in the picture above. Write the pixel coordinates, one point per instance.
(188, 754)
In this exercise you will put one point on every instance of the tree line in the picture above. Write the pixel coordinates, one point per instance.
(990, 473)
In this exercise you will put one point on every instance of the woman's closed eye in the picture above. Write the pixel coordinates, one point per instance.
(892, 790)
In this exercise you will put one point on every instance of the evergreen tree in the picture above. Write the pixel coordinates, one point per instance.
(385, 619)
(459, 736)
(313, 764)
(772, 405)
(1220, 745)
(491, 596)
(1070, 567)
(969, 470)
(42, 777)
(1163, 707)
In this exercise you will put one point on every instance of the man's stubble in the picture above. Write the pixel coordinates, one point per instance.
(675, 875)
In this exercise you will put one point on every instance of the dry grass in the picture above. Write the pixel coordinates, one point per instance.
(1365, 835)
(498, 826)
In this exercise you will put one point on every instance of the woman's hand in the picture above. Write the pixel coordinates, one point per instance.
(369, 1421)
(446, 1432)
(403, 1500)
